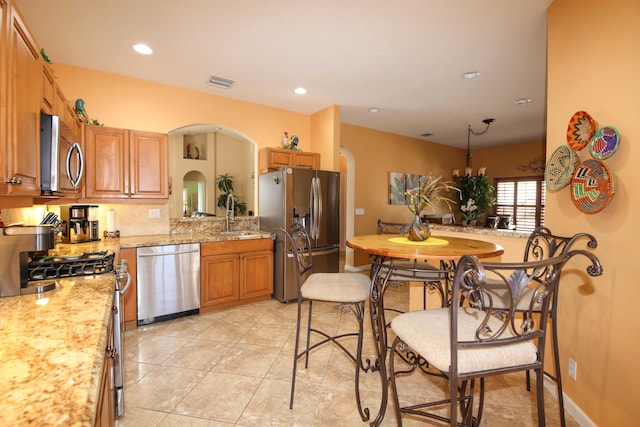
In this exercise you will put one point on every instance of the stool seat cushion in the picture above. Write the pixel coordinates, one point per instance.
(336, 287)
(427, 332)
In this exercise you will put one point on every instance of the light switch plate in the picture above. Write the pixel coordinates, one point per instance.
(359, 211)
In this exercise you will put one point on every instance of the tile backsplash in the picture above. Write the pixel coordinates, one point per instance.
(131, 220)
(135, 220)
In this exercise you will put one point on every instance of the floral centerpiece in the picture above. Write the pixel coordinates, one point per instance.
(427, 195)
(475, 197)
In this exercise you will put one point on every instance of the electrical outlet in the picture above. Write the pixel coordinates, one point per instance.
(154, 213)
(573, 368)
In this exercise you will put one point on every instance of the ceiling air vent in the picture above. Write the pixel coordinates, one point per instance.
(221, 82)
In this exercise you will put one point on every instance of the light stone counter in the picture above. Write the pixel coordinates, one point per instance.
(52, 349)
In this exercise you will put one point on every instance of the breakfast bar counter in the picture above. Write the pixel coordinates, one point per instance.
(52, 351)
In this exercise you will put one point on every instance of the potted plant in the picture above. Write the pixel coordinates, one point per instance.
(427, 195)
(224, 182)
(475, 196)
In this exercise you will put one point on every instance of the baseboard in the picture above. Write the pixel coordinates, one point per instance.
(569, 405)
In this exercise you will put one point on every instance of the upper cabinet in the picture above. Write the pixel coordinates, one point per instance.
(125, 164)
(274, 158)
(20, 173)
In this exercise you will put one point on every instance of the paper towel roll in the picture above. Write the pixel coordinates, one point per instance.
(111, 220)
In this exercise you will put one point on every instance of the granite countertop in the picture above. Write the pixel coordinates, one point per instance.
(175, 239)
(52, 345)
(52, 352)
(481, 230)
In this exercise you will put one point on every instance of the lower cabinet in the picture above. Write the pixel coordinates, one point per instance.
(235, 272)
(131, 297)
(105, 412)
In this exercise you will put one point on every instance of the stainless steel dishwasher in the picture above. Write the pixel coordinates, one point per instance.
(168, 282)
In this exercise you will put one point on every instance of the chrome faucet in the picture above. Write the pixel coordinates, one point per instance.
(230, 215)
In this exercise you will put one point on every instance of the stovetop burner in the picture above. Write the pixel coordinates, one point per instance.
(59, 266)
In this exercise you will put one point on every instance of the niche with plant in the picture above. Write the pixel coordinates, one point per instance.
(224, 182)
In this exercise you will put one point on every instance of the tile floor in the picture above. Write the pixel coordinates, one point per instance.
(233, 368)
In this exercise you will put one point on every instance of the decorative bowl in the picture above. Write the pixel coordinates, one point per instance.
(604, 143)
(593, 186)
(560, 167)
(581, 129)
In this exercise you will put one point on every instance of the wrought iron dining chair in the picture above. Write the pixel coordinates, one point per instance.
(349, 290)
(405, 271)
(472, 339)
(541, 244)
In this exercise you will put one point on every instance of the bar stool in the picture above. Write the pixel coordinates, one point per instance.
(349, 290)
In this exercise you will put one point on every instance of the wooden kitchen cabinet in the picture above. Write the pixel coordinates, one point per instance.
(131, 296)
(22, 78)
(48, 91)
(271, 159)
(105, 413)
(125, 164)
(235, 272)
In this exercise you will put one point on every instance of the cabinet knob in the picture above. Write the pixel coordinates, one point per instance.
(13, 180)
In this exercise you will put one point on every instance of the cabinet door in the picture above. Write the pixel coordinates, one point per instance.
(48, 92)
(219, 279)
(149, 167)
(105, 412)
(4, 19)
(131, 297)
(107, 156)
(23, 111)
(306, 160)
(257, 279)
(62, 108)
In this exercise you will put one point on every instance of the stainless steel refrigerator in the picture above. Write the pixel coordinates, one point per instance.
(312, 198)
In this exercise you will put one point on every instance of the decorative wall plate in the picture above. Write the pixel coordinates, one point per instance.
(581, 129)
(560, 167)
(604, 143)
(593, 186)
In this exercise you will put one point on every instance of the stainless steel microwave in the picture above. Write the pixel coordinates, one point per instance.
(61, 157)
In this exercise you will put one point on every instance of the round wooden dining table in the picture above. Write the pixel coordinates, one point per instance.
(383, 251)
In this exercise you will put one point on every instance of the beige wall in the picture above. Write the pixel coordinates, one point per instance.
(593, 66)
(143, 105)
(505, 160)
(378, 153)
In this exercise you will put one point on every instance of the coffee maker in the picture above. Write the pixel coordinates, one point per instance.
(80, 223)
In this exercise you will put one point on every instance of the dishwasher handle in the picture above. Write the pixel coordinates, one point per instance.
(169, 253)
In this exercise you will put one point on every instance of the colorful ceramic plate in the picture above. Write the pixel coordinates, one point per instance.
(604, 143)
(581, 129)
(560, 167)
(593, 186)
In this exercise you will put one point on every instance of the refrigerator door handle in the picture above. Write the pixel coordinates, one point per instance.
(319, 207)
(312, 206)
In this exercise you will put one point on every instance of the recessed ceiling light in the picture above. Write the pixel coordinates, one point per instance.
(142, 49)
(300, 90)
(523, 101)
(426, 135)
(374, 110)
(470, 75)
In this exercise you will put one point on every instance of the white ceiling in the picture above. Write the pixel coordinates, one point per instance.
(404, 57)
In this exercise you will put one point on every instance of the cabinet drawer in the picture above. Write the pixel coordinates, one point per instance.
(219, 248)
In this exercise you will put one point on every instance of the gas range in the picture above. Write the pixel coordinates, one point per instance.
(42, 266)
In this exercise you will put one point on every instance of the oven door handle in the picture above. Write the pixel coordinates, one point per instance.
(126, 287)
